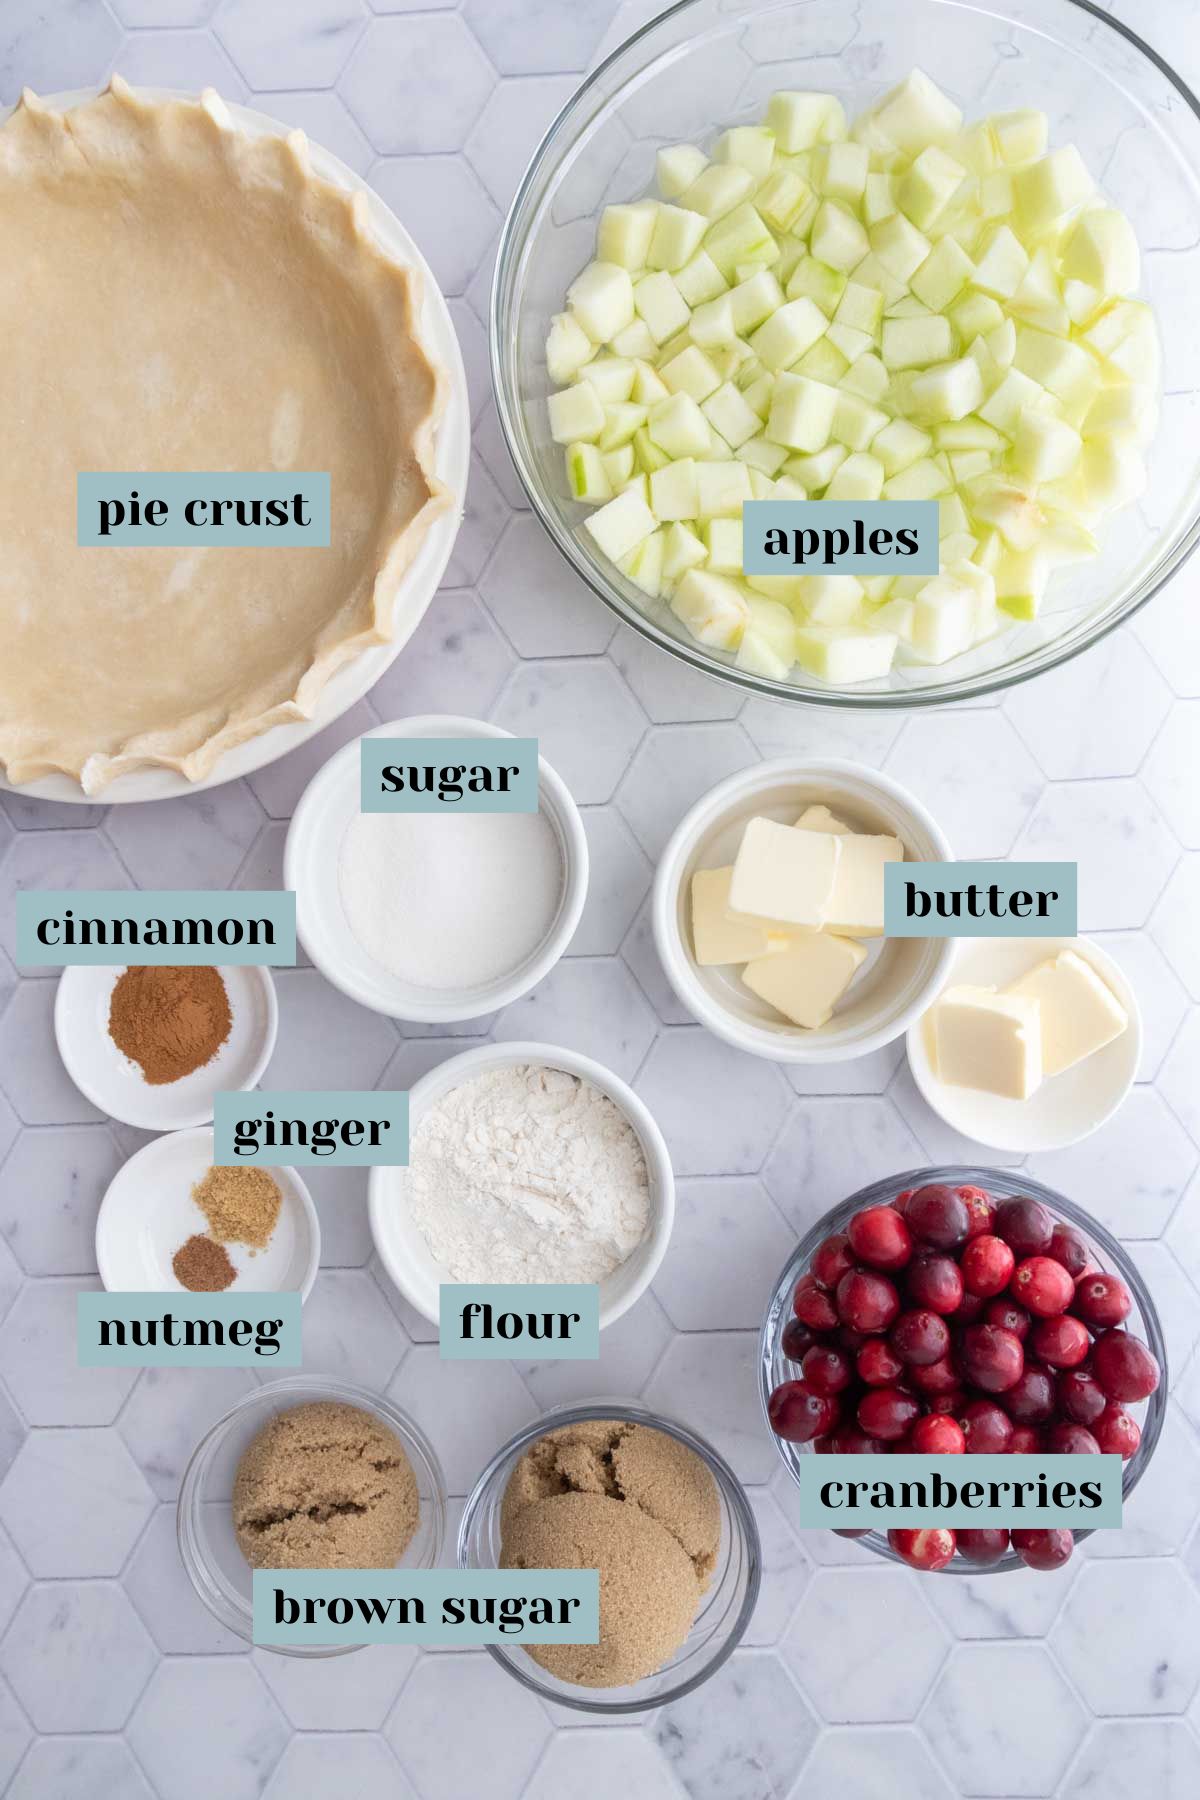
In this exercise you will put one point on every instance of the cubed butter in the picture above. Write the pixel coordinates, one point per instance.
(781, 873)
(1080, 1013)
(819, 818)
(716, 938)
(989, 1041)
(856, 907)
(806, 980)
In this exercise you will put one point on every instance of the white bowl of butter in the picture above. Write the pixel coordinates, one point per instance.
(821, 983)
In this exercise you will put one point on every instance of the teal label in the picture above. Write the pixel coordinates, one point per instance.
(881, 1491)
(980, 899)
(433, 775)
(499, 1321)
(426, 1606)
(174, 925)
(841, 537)
(361, 1127)
(190, 1331)
(177, 508)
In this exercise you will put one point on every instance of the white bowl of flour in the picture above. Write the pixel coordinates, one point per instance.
(528, 1163)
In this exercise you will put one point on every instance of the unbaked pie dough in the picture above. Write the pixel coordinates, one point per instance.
(176, 294)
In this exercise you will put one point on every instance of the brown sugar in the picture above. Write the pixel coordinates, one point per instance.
(325, 1486)
(637, 1505)
(241, 1205)
(170, 1021)
(203, 1266)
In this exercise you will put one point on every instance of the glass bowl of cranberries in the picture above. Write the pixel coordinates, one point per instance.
(951, 1311)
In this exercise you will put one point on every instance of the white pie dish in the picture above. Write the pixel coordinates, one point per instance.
(1066, 1107)
(402, 1247)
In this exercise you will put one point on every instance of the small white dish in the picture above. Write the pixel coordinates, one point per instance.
(1066, 1107)
(402, 1248)
(899, 979)
(148, 1213)
(106, 1076)
(310, 867)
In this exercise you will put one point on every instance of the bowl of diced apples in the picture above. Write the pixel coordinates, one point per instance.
(919, 251)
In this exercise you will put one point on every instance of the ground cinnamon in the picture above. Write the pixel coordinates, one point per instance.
(169, 1021)
(202, 1266)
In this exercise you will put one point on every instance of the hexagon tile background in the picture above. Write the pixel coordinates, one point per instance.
(856, 1678)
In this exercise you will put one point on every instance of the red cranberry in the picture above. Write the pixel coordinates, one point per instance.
(827, 1371)
(1043, 1549)
(1068, 1248)
(981, 1210)
(1116, 1433)
(951, 1403)
(937, 1216)
(940, 1377)
(852, 1341)
(1123, 1367)
(901, 1201)
(1062, 1342)
(880, 1237)
(938, 1435)
(1026, 1441)
(824, 1446)
(848, 1440)
(813, 1306)
(831, 1259)
(992, 1358)
(969, 1309)
(877, 1363)
(986, 1427)
(867, 1301)
(796, 1339)
(1030, 1399)
(1025, 1225)
(984, 1545)
(1079, 1396)
(1006, 1313)
(926, 1550)
(887, 1413)
(1102, 1300)
(799, 1415)
(1043, 1286)
(1064, 1438)
(987, 1265)
(920, 1337)
(935, 1282)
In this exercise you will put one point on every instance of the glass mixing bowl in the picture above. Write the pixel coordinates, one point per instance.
(1107, 1253)
(709, 64)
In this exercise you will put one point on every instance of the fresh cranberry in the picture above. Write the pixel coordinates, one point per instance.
(1102, 1300)
(935, 1281)
(799, 1415)
(986, 1427)
(846, 1339)
(1079, 1396)
(848, 1440)
(880, 1237)
(1068, 1248)
(901, 1447)
(920, 1337)
(938, 1217)
(987, 1265)
(1062, 1342)
(796, 1339)
(984, 1545)
(1005, 1312)
(1065, 1438)
(1043, 1549)
(901, 1201)
(813, 1306)
(992, 1358)
(1025, 1225)
(1031, 1398)
(1123, 1367)
(824, 1446)
(887, 1413)
(926, 1550)
(940, 1377)
(938, 1435)
(969, 1309)
(951, 1402)
(877, 1363)
(1026, 1441)
(1043, 1286)
(867, 1301)
(831, 1259)
(1116, 1433)
(827, 1371)
(981, 1209)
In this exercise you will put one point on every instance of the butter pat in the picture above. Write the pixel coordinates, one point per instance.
(819, 818)
(784, 874)
(1080, 1012)
(856, 906)
(989, 1041)
(806, 980)
(716, 938)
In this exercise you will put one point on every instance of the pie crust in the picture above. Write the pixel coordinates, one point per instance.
(177, 294)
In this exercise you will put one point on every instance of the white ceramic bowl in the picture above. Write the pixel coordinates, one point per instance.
(402, 1248)
(1066, 1107)
(901, 976)
(117, 1086)
(148, 1212)
(310, 866)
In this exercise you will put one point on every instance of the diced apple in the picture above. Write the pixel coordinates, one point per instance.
(866, 377)
(800, 120)
(1101, 249)
(620, 423)
(644, 565)
(1002, 344)
(943, 620)
(1021, 577)
(619, 466)
(840, 171)
(860, 477)
(741, 237)
(1052, 186)
(871, 272)
(576, 414)
(971, 433)
(975, 315)
(915, 343)
(728, 412)
(899, 445)
(772, 618)
(1020, 137)
(860, 307)
(1112, 472)
(587, 477)
(673, 492)
(899, 246)
(660, 303)
(761, 454)
(788, 333)
(691, 373)
(1044, 448)
(676, 167)
(844, 657)
(712, 607)
(922, 480)
(677, 236)
(757, 655)
(625, 232)
(813, 473)
(649, 456)
(928, 186)
(831, 599)
(682, 550)
(754, 300)
(611, 377)
(700, 279)
(758, 394)
(855, 422)
(916, 113)
(1000, 267)
(879, 197)
(678, 427)
(949, 391)
(816, 281)
(1067, 370)
(823, 362)
(782, 198)
(717, 190)
(722, 489)
(837, 236)
(568, 348)
(849, 344)
(621, 525)
(801, 412)
(636, 342)
(601, 300)
(942, 277)
(1016, 393)
(723, 538)
(1127, 410)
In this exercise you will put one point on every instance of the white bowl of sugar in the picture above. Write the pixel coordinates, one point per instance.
(434, 917)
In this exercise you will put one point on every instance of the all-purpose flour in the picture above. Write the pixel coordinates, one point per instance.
(528, 1174)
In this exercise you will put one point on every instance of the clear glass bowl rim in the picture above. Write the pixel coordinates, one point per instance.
(735, 1498)
(506, 388)
(1004, 1183)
